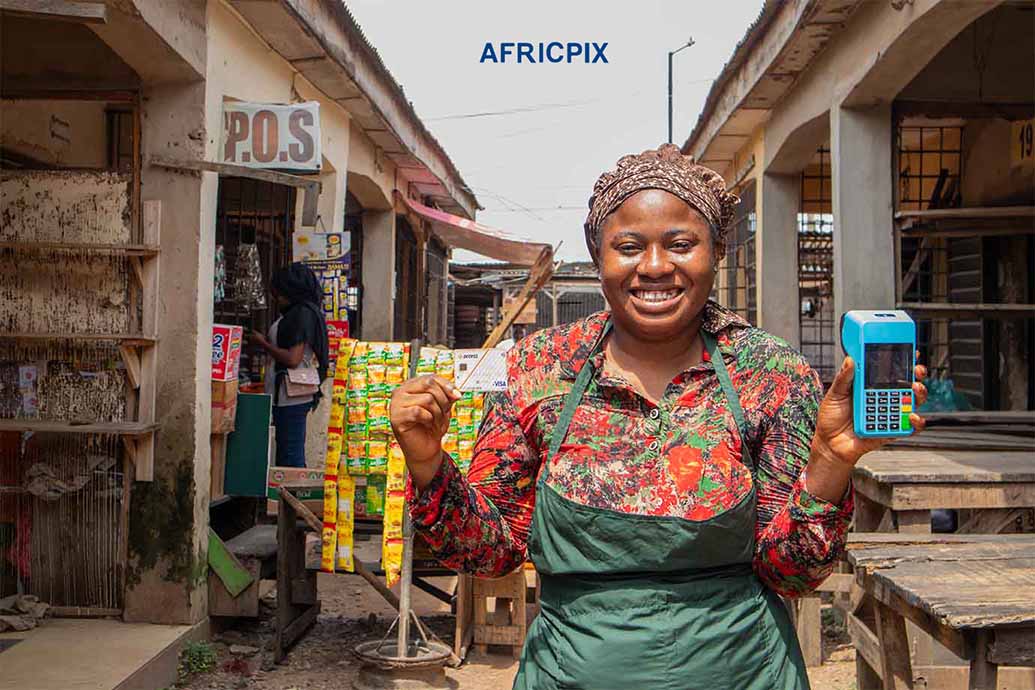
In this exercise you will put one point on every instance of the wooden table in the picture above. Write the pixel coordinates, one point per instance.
(897, 489)
(975, 594)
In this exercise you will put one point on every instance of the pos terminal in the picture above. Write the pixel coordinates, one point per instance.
(883, 345)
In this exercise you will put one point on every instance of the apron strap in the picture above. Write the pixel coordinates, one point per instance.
(732, 398)
(574, 398)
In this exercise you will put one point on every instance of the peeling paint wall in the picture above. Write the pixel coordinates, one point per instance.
(57, 133)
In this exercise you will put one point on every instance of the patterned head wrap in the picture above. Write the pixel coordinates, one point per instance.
(668, 169)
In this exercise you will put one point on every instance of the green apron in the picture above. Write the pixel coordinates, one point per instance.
(640, 602)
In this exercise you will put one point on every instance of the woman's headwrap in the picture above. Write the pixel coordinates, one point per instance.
(668, 169)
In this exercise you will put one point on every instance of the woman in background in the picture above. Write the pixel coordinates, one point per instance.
(297, 339)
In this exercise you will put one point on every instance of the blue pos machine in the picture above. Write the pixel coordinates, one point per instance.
(883, 345)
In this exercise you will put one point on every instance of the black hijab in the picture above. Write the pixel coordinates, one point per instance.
(303, 319)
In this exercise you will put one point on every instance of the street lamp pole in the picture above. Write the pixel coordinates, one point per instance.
(670, 54)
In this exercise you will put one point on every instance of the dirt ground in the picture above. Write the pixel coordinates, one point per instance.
(353, 612)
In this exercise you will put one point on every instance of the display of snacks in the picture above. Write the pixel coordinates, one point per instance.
(375, 495)
(372, 481)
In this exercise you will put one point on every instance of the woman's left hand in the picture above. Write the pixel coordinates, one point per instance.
(835, 428)
(259, 339)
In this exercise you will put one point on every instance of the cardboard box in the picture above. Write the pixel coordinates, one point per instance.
(224, 406)
(226, 352)
(288, 475)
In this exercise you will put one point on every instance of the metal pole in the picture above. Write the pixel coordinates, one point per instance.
(670, 54)
(406, 576)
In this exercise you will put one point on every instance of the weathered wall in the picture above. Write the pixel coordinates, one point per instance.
(57, 55)
(169, 516)
(243, 67)
(990, 61)
(988, 177)
(69, 134)
(378, 274)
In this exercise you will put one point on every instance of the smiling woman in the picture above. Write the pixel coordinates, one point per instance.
(668, 468)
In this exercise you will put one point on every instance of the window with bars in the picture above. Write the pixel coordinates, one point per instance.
(816, 266)
(939, 269)
(929, 166)
(736, 281)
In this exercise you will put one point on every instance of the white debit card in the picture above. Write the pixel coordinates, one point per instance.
(480, 370)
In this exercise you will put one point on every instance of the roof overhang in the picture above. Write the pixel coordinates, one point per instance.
(460, 232)
(323, 42)
(777, 48)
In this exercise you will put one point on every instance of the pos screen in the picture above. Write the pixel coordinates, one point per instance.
(887, 365)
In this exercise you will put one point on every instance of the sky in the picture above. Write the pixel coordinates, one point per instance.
(531, 139)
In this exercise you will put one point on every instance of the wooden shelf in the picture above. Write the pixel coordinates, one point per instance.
(972, 213)
(124, 338)
(985, 310)
(967, 222)
(51, 427)
(142, 250)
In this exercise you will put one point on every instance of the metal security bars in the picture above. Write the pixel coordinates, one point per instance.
(816, 266)
(737, 288)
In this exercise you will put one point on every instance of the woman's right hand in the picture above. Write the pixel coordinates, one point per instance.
(419, 412)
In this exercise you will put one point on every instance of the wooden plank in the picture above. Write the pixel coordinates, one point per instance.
(234, 576)
(945, 466)
(537, 277)
(244, 605)
(303, 591)
(83, 248)
(145, 462)
(1024, 417)
(958, 586)
(896, 669)
(837, 582)
(57, 10)
(132, 361)
(83, 612)
(1013, 647)
(300, 509)
(965, 439)
(983, 672)
(464, 609)
(43, 426)
(808, 624)
(137, 270)
(866, 643)
(976, 309)
(259, 541)
(510, 635)
(296, 629)
(1009, 229)
(956, 496)
(858, 542)
(991, 521)
(974, 212)
(126, 338)
(914, 521)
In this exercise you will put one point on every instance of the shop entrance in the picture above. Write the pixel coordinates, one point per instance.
(254, 220)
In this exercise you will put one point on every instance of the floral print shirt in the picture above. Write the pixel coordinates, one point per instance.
(681, 457)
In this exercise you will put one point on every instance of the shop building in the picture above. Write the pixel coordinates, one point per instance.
(115, 180)
(882, 154)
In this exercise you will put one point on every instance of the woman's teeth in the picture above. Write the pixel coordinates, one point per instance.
(656, 295)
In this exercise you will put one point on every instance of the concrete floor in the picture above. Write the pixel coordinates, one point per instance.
(78, 654)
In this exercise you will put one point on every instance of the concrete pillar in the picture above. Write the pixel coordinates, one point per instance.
(864, 256)
(331, 205)
(378, 275)
(776, 247)
(168, 518)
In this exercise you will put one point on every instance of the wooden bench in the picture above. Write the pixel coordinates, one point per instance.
(974, 594)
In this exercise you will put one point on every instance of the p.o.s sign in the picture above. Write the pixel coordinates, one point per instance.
(259, 135)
